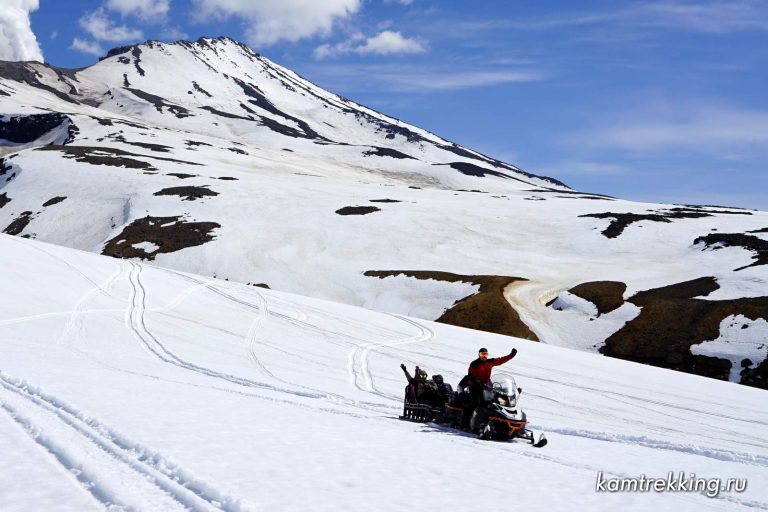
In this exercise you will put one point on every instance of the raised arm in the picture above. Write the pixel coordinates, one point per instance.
(407, 375)
(501, 360)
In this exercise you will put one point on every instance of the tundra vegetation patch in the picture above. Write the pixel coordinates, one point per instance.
(672, 319)
(163, 234)
(487, 310)
(607, 296)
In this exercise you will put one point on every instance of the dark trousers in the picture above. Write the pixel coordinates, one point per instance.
(475, 400)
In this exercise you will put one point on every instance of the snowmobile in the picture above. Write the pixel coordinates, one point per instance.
(498, 418)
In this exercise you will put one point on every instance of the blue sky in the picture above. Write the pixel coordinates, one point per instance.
(658, 101)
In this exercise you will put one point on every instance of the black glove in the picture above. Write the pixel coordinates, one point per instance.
(513, 353)
(402, 366)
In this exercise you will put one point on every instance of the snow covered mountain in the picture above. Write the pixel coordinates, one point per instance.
(125, 386)
(208, 158)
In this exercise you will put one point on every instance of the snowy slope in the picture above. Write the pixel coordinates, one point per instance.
(133, 387)
(208, 158)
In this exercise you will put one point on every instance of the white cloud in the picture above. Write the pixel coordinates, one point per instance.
(17, 41)
(269, 21)
(98, 25)
(147, 10)
(89, 47)
(391, 42)
(383, 43)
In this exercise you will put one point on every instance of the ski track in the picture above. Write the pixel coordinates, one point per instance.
(358, 360)
(135, 322)
(96, 454)
(657, 444)
(75, 323)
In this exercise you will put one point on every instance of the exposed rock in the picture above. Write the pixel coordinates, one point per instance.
(101, 156)
(747, 242)
(384, 201)
(619, 221)
(476, 170)
(160, 103)
(24, 129)
(357, 210)
(393, 153)
(4, 199)
(187, 193)
(168, 234)
(53, 201)
(19, 223)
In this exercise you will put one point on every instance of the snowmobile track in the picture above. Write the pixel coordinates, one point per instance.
(88, 448)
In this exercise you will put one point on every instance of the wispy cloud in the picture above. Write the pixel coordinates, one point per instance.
(699, 127)
(419, 78)
(386, 42)
(583, 168)
(708, 17)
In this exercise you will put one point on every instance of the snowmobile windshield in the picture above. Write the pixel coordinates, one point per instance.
(506, 386)
(505, 392)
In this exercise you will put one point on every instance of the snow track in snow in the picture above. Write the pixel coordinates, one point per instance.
(135, 322)
(98, 457)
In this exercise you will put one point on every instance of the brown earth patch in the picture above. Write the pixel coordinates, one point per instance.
(606, 295)
(169, 234)
(54, 200)
(357, 210)
(671, 321)
(187, 193)
(487, 310)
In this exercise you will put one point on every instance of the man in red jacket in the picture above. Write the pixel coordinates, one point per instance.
(480, 369)
(479, 376)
